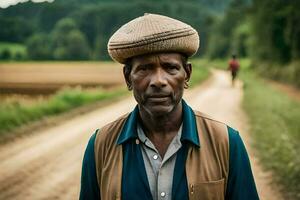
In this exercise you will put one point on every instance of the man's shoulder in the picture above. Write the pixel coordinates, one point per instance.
(110, 131)
(206, 117)
(215, 128)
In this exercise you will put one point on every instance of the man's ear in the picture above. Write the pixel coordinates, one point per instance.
(126, 74)
(188, 71)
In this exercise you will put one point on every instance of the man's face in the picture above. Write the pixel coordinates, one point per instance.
(157, 81)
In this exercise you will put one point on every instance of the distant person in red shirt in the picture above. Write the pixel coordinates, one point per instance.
(234, 67)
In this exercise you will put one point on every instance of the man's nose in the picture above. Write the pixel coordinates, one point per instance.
(158, 79)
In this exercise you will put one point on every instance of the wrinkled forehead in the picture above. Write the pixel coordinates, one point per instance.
(175, 58)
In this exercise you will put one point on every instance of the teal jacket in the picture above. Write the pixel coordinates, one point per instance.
(240, 182)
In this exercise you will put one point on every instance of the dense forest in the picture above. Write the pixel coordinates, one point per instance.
(266, 31)
(77, 29)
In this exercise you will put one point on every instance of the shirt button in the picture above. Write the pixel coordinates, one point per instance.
(155, 157)
(162, 194)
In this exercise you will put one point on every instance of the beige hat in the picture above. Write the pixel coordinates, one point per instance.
(152, 33)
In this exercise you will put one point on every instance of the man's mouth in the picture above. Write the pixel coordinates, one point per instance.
(158, 98)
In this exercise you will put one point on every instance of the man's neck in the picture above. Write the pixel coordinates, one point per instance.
(164, 124)
(162, 129)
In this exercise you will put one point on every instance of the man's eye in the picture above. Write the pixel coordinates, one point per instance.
(172, 67)
(143, 69)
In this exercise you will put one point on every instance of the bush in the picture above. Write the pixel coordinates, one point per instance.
(68, 42)
(5, 55)
(38, 47)
(77, 47)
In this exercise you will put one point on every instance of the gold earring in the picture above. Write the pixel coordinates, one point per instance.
(129, 87)
(186, 85)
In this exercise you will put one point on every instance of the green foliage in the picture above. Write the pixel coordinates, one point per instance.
(226, 37)
(275, 43)
(98, 23)
(65, 25)
(199, 71)
(276, 27)
(289, 73)
(78, 48)
(71, 46)
(274, 119)
(5, 54)
(51, 13)
(38, 47)
(266, 31)
(9, 51)
(97, 20)
(68, 42)
(15, 114)
(240, 39)
(15, 29)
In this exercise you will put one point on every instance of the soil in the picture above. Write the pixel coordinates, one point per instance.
(47, 77)
(47, 164)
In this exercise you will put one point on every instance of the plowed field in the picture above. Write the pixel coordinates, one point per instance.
(47, 77)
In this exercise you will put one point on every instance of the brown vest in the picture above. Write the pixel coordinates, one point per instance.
(206, 167)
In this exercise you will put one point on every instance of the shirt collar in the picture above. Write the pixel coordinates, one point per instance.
(129, 130)
(189, 127)
(143, 138)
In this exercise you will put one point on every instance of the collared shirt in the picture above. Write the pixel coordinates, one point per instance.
(159, 170)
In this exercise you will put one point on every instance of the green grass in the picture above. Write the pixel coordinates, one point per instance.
(288, 73)
(16, 114)
(17, 51)
(200, 71)
(275, 127)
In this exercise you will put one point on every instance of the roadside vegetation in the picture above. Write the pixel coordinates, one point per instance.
(16, 113)
(200, 72)
(274, 119)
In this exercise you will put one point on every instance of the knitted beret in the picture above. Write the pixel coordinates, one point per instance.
(152, 33)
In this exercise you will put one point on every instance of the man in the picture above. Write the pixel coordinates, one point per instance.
(163, 149)
(234, 67)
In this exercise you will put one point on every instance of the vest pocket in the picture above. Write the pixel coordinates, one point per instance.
(212, 190)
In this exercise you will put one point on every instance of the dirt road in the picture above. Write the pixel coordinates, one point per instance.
(46, 165)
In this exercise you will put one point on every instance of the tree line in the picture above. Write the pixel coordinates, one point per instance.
(79, 30)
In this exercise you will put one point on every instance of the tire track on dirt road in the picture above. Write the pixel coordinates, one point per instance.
(46, 165)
